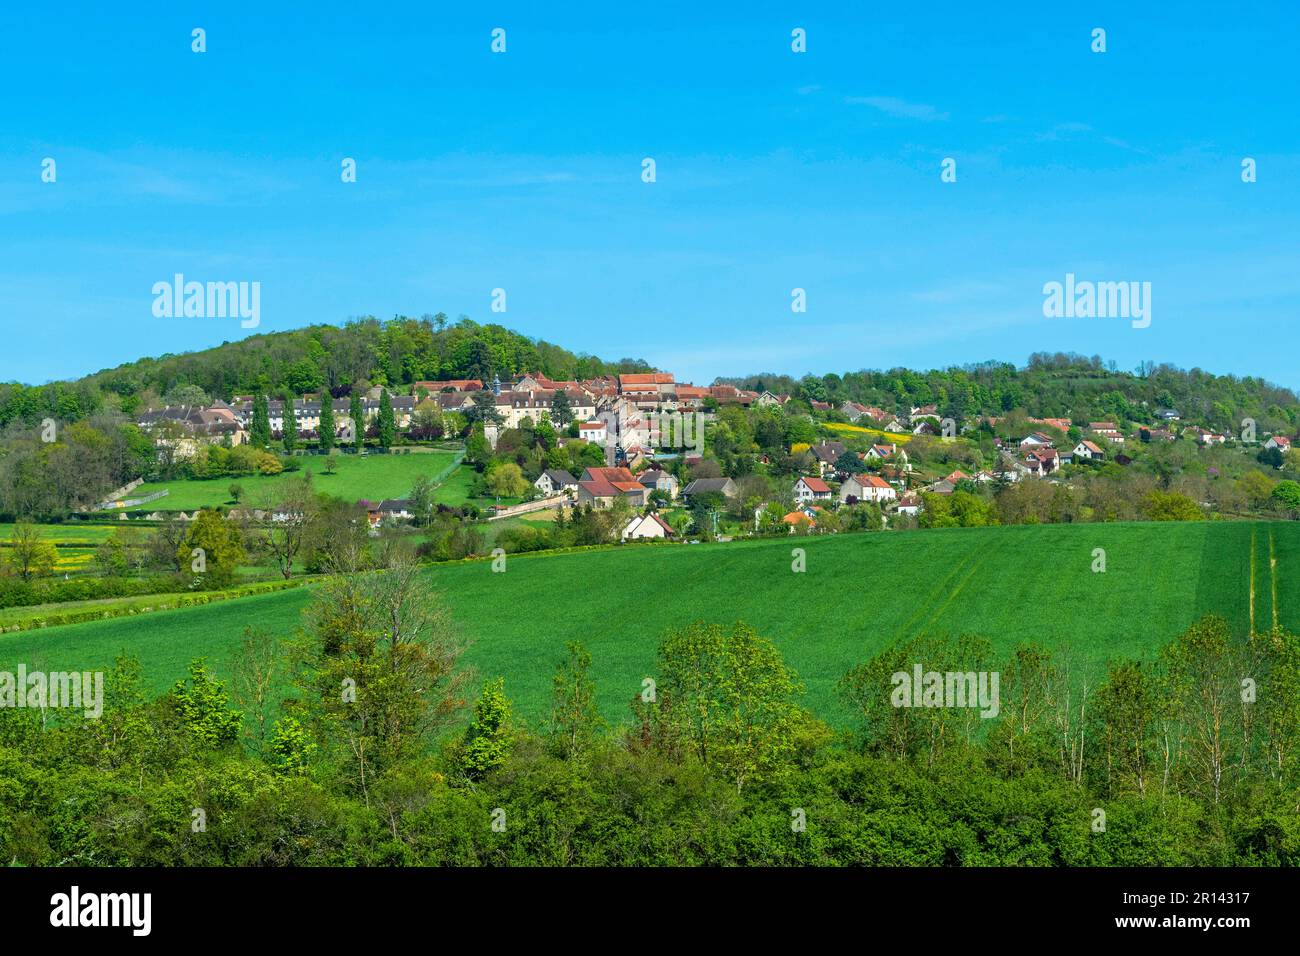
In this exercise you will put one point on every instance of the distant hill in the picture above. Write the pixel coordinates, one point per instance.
(1062, 385)
(365, 351)
(403, 350)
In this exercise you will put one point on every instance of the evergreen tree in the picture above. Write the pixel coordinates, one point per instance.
(356, 411)
(290, 425)
(387, 423)
(326, 429)
(484, 409)
(561, 409)
(260, 433)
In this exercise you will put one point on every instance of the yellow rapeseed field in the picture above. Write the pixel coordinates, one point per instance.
(892, 436)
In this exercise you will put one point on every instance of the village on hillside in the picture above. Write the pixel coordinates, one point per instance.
(648, 444)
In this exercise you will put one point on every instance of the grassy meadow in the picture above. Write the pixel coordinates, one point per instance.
(859, 593)
(367, 476)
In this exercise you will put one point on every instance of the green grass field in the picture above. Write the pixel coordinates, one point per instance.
(70, 535)
(368, 476)
(859, 593)
(455, 491)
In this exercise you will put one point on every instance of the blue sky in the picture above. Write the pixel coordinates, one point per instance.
(775, 170)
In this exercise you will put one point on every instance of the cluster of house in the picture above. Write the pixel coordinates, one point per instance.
(919, 420)
(600, 487)
(887, 487)
(1036, 454)
(614, 410)
(623, 413)
(221, 421)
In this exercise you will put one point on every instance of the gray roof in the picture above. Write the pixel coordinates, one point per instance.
(701, 486)
(829, 451)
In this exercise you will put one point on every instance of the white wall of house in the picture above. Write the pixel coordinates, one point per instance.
(803, 493)
(643, 526)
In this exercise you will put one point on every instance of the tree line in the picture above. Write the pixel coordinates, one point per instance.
(1053, 386)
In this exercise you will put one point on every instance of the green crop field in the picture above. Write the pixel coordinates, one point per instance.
(455, 491)
(859, 592)
(368, 476)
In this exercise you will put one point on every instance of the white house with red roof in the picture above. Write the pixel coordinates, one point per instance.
(867, 488)
(1280, 442)
(1042, 461)
(1206, 437)
(594, 431)
(909, 504)
(809, 488)
(647, 526)
(1036, 440)
(1108, 431)
(1088, 450)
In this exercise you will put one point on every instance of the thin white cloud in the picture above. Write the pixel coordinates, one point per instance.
(893, 106)
(961, 292)
(1064, 131)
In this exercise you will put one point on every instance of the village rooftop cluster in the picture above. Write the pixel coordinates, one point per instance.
(621, 415)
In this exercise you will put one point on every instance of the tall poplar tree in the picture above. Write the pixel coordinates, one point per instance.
(326, 429)
(387, 422)
(260, 433)
(290, 431)
(561, 409)
(357, 413)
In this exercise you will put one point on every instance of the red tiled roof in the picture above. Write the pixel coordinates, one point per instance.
(610, 474)
(816, 485)
(645, 378)
(663, 524)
